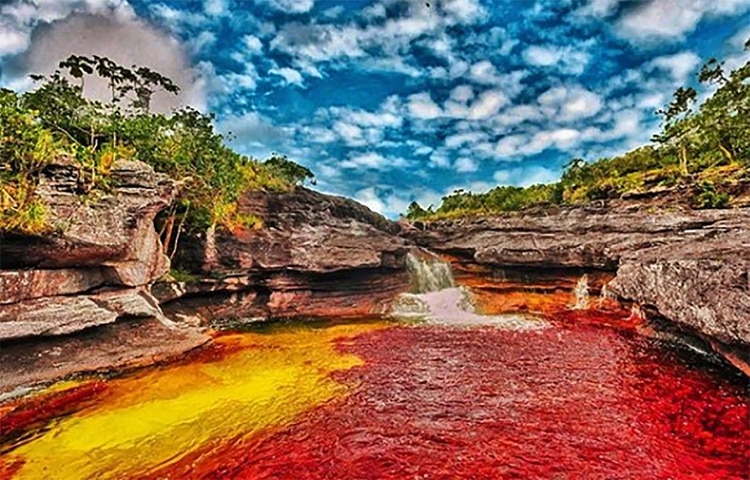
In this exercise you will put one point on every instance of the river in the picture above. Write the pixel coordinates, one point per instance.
(524, 398)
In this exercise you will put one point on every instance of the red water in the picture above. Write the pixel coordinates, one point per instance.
(580, 402)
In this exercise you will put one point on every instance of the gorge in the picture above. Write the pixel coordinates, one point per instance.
(591, 313)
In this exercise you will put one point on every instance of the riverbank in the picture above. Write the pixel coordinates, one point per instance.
(99, 293)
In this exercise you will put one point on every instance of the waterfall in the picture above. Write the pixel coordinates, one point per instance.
(429, 275)
(582, 293)
(436, 299)
(605, 294)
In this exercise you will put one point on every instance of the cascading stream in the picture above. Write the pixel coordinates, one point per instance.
(582, 293)
(435, 298)
(429, 275)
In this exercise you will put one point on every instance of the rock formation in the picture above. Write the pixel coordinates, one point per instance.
(95, 269)
(315, 256)
(688, 266)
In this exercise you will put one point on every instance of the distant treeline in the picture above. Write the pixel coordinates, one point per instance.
(705, 149)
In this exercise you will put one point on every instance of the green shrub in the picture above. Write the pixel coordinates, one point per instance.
(706, 196)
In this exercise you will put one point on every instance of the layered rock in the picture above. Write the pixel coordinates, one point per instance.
(689, 266)
(95, 269)
(316, 255)
(575, 238)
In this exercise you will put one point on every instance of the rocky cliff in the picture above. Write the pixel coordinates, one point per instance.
(92, 273)
(688, 266)
(316, 255)
(85, 297)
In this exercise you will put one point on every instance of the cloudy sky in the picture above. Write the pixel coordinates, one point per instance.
(390, 101)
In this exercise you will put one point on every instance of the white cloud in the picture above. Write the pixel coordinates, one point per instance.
(569, 104)
(673, 19)
(391, 37)
(202, 41)
(459, 139)
(386, 117)
(374, 161)
(229, 82)
(421, 106)
(598, 8)
(679, 65)
(117, 36)
(483, 72)
(292, 76)
(351, 134)
(511, 145)
(18, 19)
(12, 40)
(466, 165)
(566, 59)
(517, 115)
(291, 6)
(252, 132)
(464, 11)
(252, 44)
(215, 8)
(525, 176)
(462, 94)
(369, 198)
(737, 43)
(487, 104)
(517, 146)
(440, 158)
(627, 123)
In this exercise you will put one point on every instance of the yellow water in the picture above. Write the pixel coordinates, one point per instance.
(153, 419)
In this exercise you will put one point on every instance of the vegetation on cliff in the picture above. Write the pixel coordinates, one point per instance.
(704, 151)
(57, 121)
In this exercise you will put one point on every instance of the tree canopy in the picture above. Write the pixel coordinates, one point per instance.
(57, 119)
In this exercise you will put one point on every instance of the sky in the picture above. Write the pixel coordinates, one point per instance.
(391, 101)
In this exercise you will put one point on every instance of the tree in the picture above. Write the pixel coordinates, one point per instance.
(415, 211)
(676, 126)
(292, 172)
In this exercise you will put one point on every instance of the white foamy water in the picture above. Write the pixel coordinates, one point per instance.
(436, 299)
(454, 306)
(582, 293)
(428, 275)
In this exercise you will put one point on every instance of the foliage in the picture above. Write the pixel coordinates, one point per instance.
(706, 196)
(291, 172)
(183, 277)
(702, 149)
(58, 119)
(25, 148)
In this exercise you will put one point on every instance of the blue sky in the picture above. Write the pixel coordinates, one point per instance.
(391, 101)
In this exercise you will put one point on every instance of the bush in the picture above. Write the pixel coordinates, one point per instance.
(57, 119)
(706, 196)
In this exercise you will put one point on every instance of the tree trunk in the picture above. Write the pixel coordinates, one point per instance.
(726, 152)
(209, 253)
(179, 231)
(683, 160)
(168, 231)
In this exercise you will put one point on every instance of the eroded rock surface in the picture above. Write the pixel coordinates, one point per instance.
(112, 347)
(316, 255)
(69, 299)
(689, 266)
(578, 237)
(703, 285)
